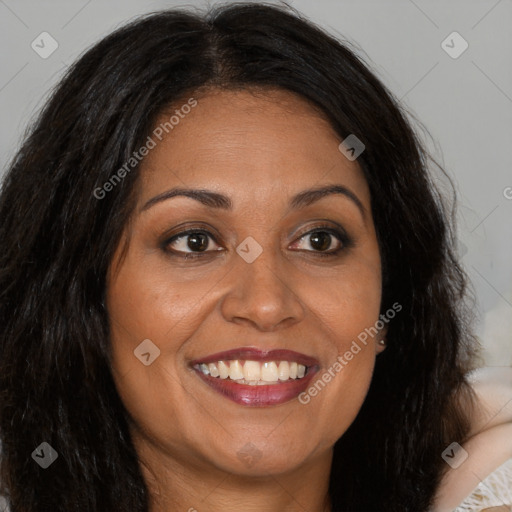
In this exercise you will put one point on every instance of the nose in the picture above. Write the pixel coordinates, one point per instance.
(262, 294)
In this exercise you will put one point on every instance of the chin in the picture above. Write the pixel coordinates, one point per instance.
(255, 461)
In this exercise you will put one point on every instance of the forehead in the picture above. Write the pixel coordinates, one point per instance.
(272, 140)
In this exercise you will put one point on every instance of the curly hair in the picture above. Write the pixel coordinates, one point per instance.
(58, 242)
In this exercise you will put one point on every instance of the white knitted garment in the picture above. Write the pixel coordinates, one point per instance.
(493, 491)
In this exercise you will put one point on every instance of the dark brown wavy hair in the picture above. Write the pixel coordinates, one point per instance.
(58, 240)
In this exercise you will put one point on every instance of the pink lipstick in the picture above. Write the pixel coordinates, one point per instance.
(257, 378)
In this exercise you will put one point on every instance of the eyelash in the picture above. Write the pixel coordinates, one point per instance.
(339, 234)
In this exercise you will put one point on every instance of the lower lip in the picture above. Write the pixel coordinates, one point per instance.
(259, 396)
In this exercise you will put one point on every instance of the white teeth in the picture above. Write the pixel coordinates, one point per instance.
(223, 370)
(235, 370)
(214, 372)
(283, 370)
(269, 372)
(252, 370)
(254, 373)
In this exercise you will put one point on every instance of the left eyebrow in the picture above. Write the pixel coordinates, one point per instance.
(216, 200)
(307, 197)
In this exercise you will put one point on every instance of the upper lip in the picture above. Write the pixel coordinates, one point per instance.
(255, 354)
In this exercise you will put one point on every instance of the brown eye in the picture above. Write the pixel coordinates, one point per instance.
(197, 242)
(190, 242)
(324, 241)
(320, 240)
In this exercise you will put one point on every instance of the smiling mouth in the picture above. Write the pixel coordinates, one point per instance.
(254, 373)
(256, 378)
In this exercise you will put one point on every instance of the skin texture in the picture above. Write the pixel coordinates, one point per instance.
(260, 150)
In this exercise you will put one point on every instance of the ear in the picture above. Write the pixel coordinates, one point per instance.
(379, 339)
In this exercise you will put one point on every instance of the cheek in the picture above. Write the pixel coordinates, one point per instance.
(147, 301)
(337, 392)
(349, 303)
(144, 305)
(348, 310)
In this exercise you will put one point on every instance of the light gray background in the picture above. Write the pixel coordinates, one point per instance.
(465, 103)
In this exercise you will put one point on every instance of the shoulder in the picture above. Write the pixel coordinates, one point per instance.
(489, 445)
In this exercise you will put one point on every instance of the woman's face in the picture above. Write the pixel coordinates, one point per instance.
(252, 277)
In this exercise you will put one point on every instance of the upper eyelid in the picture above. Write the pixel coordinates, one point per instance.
(325, 227)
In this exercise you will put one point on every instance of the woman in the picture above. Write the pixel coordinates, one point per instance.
(175, 339)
